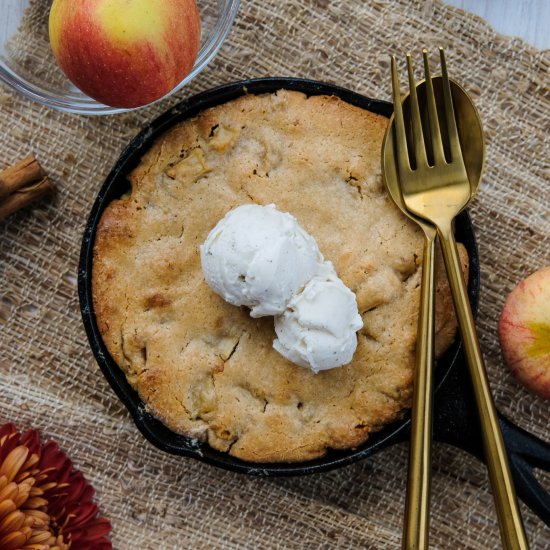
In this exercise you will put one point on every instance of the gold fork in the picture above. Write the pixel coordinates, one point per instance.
(436, 192)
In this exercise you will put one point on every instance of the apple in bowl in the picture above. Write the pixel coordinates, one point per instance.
(524, 332)
(125, 53)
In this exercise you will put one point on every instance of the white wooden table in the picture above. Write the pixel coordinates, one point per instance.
(528, 19)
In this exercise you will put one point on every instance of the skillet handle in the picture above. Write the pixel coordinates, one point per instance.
(527, 452)
(456, 423)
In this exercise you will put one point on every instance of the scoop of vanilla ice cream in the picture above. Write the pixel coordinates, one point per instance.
(259, 257)
(318, 328)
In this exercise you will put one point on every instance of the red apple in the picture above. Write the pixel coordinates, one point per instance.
(524, 332)
(125, 53)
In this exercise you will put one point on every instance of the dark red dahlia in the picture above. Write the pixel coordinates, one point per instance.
(45, 503)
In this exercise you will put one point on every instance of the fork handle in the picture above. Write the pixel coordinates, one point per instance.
(511, 526)
(417, 502)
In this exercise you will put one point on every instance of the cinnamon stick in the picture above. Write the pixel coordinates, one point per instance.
(22, 183)
(23, 172)
(24, 196)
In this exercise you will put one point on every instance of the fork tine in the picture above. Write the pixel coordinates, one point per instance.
(452, 131)
(418, 135)
(402, 155)
(435, 132)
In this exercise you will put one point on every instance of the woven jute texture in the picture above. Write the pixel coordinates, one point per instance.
(48, 376)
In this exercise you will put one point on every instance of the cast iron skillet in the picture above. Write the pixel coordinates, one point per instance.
(455, 419)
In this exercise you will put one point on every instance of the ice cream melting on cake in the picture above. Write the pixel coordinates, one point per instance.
(259, 257)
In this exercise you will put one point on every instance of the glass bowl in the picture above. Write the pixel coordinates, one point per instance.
(28, 66)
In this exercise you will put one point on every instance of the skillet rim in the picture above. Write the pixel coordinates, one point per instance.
(115, 184)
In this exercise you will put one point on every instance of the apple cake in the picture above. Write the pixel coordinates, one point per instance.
(207, 369)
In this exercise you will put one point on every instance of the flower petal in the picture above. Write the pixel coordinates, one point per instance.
(8, 492)
(13, 541)
(84, 514)
(31, 439)
(23, 491)
(36, 502)
(13, 462)
(7, 507)
(39, 537)
(12, 522)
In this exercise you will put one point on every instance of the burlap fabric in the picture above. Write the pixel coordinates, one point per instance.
(48, 376)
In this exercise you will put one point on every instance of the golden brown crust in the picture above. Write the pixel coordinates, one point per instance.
(205, 367)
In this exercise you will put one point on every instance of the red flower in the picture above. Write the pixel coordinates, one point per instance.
(45, 503)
